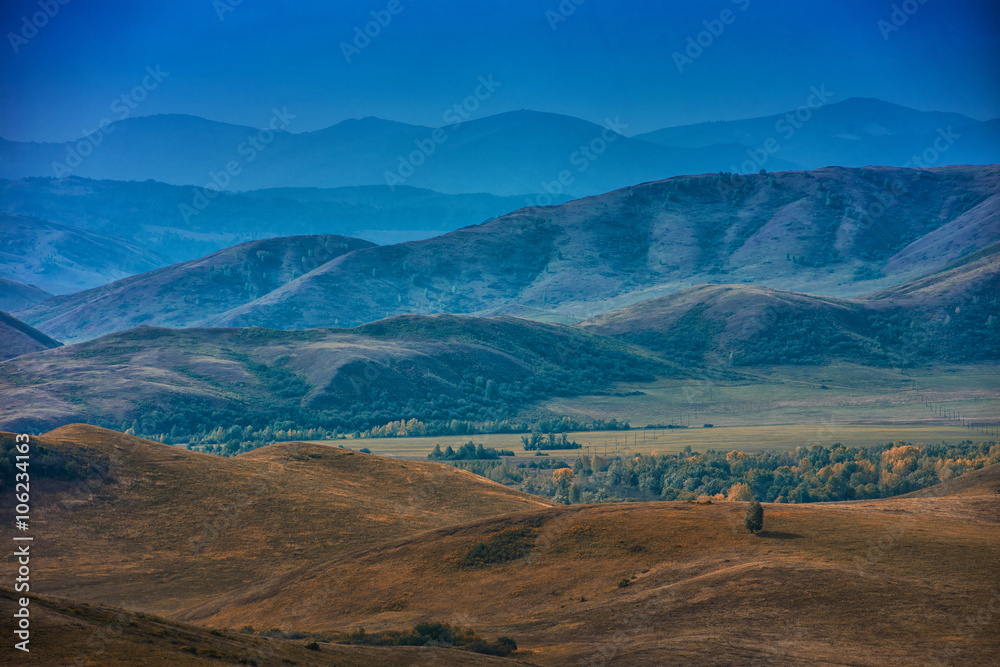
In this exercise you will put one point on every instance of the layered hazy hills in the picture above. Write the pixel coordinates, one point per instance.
(61, 258)
(295, 539)
(17, 338)
(950, 315)
(191, 291)
(826, 231)
(425, 367)
(182, 224)
(853, 133)
(834, 231)
(512, 153)
(187, 526)
(15, 295)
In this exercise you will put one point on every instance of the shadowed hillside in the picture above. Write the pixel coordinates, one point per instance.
(435, 368)
(17, 338)
(67, 632)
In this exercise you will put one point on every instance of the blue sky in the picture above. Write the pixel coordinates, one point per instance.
(606, 59)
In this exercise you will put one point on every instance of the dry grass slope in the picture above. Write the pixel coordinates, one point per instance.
(843, 584)
(66, 632)
(313, 539)
(167, 527)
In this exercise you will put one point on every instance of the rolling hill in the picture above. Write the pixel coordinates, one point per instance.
(17, 338)
(15, 295)
(950, 315)
(242, 519)
(902, 581)
(803, 231)
(442, 369)
(191, 291)
(674, 583)
(61, 258)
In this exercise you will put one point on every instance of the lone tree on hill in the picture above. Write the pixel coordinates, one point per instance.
(754, 519)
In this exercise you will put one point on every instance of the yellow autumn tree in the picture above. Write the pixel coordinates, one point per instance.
(740, 491)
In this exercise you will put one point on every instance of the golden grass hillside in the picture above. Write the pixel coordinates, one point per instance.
(896, 582)
(322, 540)
(165, 527)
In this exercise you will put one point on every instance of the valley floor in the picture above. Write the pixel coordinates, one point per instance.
(771, 408)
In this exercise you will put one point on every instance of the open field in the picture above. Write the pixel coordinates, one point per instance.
(670, 441)
(836, 393)
(770, 408)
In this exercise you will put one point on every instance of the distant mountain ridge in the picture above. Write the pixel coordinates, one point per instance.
(949, 315)
(512, 153)
(808, 231)
(854, 133)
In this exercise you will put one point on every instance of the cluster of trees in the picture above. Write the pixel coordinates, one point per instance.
(468, 452)
(805, 474)
(539, 442)
(503, 546)
(432, 634)
(242, 437)
(46, 463)
(427, 633)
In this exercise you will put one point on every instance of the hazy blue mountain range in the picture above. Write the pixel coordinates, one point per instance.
(62, 258)
(514, 153)
(837, 232)
(154, 216)
(854, 133)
